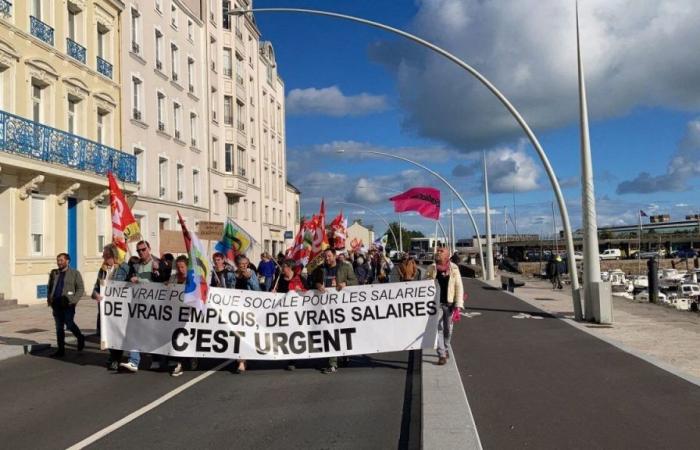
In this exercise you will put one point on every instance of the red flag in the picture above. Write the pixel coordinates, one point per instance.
(424, 200)
(124, 226)
(317, 226)
(299, 252)
(339, 230)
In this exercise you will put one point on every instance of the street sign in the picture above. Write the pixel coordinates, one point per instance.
(210, 231)
(42, 291)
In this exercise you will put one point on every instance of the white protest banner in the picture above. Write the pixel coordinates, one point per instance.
(358, 320)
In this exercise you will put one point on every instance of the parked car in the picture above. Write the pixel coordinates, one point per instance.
(643, 296)
(651, 254)
(611, 253)
(684, 253)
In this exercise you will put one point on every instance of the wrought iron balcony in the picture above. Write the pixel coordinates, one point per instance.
(75, 50)
(104, 67)
(41, 30)
(29, 139)
(5, 8)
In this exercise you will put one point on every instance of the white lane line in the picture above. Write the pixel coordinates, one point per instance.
(138, 413)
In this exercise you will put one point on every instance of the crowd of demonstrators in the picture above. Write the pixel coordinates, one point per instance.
(449, 281)
(64, 291)
(338, 270)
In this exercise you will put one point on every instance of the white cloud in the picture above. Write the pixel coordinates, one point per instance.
(331, 101)
(635, 54)
(508, 170)
(684, 165)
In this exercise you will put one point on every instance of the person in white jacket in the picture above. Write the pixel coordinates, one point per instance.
(449, 280)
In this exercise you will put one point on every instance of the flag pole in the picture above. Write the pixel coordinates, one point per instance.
(639, 244)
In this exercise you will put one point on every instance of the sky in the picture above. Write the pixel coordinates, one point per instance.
(354, 88)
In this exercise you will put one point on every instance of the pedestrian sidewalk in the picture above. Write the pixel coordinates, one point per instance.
(24, 330)
(663, 336)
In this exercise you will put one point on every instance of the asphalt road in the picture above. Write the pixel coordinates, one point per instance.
(50, 404)
(541, 383)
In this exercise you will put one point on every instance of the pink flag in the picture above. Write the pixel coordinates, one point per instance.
(424, 200)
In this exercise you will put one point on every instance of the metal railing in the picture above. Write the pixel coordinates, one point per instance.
(240, 125)
(75, 50)
(41, 30)
(239, 80)
(5, 8)
(135, 47)
(104, 67)
(136, 114)
(23, 137)
(159, 65)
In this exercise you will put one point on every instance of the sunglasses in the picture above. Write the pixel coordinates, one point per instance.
(141, 250)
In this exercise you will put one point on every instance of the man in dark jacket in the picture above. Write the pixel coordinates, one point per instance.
(65, 289)
(332, 274)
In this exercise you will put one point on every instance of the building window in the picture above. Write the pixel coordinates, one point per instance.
(179, 175)
(137, 90)
(241, 161)
(193, 129)
(215, 201)
(240, 114)
(159, 50)
(37, 102)
(267, 215)
(228, 110)
(177, 119)
(190, 30)
(274, 214)
(226, 19)
(175, 57)
(254, 212)
(214, 153)
(212, 51)
(173, 15)
(135, 31)
(73, 118)
(101, 212)
(266, 182)
(162, 176)
(228, 158)
(159, 5)
(37, 225)
(213, 104)
(102, 41)
(190, 74)
(228, 62)
(245, 209)
(102, 123)
(73, 22)
(140, 168)
(232, 206)
(195, 186)
(161, 111)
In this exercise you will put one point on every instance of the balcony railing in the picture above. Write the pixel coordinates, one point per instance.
(239, 34)
(177, 134)
(75, 50)
(228, 72)
(240, 125)
(135, 47)
(104, 67)
(41, 30)
(180, 195)
(239, 80)
(23, 137)
(136, 114)
(159, 65)
(5, 8)
(191, 88)
(193, 142)
(241, 171)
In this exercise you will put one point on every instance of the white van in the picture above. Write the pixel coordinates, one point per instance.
(611, 253)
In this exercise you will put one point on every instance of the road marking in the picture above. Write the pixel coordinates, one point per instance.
(469, 315)
(526, 316)
(138, 413)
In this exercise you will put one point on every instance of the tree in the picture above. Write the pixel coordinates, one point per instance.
(405, 236)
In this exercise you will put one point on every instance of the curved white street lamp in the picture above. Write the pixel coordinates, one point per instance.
(513, 111)
(373, 212)
(484, 275)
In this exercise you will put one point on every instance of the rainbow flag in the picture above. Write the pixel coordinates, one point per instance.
(235, 241)
(198, 270)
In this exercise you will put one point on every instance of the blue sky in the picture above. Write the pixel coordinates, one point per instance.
(353, 87)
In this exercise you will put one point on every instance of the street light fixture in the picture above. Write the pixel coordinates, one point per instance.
(563, 210)
(447, 183)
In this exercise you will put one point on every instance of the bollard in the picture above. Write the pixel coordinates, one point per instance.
(653, 277)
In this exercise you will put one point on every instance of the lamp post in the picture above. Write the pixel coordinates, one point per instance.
(566, 225)
(441, 178)
(373, 212)
(487, 215)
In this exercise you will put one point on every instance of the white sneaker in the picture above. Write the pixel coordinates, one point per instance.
(131, 367)
(177, 371)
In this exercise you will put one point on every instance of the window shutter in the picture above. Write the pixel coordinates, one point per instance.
(37, 215)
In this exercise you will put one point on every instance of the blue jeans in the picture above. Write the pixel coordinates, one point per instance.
(65, 318)
(268, 284)
(116, 355)
(444, 330)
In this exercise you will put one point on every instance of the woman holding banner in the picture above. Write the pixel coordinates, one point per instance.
(449, 280)
(287, 281)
